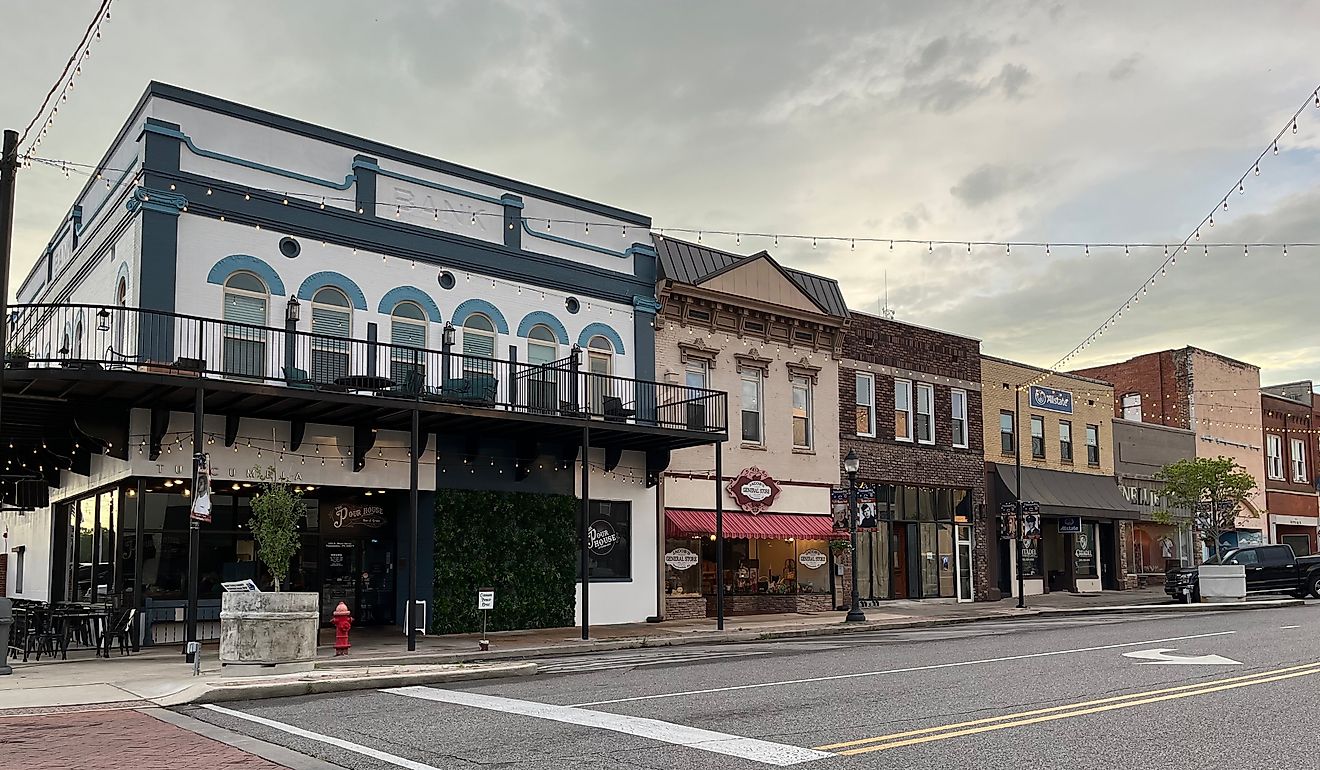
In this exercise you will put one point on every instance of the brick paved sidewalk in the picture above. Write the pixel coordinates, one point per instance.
(111, 740)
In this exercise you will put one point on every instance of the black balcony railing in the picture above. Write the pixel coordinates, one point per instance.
(98, 337)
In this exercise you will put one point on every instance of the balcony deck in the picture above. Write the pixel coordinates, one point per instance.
(101, 359)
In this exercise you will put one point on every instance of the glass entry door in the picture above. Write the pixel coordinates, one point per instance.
(965, 585)
(360, 573)
(339, 583)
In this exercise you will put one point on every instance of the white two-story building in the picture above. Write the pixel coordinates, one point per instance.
(273, 294)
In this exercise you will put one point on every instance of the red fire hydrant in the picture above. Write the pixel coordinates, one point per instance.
(343, 621)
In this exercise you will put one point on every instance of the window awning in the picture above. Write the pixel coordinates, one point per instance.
(1069, 494)
(765, 526)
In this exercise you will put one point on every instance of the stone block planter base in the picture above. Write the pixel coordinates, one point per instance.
(268, 633)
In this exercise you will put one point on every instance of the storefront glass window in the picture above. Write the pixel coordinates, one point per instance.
(682, 566)
(1084, 548)
(946, 557)
(85, 534)
(813, 567)
(928, 556)
(873, 563)
(1155, 548)
(964, 562)
(609, 535)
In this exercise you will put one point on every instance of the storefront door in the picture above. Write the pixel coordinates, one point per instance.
(966, 589)
(339, 583)
(900, 561)
(360, 573)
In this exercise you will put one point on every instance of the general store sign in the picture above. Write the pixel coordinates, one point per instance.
(1051, 399)
(812, 559)
(753, 490)
(681, 559)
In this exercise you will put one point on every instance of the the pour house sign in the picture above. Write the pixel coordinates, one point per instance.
(753, 490)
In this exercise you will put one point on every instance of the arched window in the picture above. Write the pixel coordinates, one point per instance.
(407, 341)
(78, 338)
(246, 300)
(600, 364)
(543, 385)
(121, 316)
(542, 348)
(332, 325)
(478, 345)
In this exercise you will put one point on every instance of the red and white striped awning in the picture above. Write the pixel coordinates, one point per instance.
(681, 522)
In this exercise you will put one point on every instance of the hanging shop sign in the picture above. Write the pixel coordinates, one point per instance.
(201, 501)
(681, 559)
(1070, 525)
(812, 559)
(1051, 399)
(601, 537)
(348, 517)
(753, 490)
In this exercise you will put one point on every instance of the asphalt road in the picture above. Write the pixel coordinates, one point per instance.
(1012, 694)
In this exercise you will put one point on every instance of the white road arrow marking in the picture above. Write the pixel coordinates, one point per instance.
(1161, 655)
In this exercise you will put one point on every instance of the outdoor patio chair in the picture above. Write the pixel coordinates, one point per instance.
(297, 378)
(119, 630)
(471, 388)
(614, 409)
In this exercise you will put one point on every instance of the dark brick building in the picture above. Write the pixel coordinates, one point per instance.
(910, 407)
(1288, 422)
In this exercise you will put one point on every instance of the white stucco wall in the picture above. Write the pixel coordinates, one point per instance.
(635, 600)
(30, 532)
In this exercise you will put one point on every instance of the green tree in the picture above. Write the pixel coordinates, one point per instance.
(276, 510)
(1212, 490)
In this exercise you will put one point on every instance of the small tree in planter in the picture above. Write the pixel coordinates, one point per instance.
(17, 357)
(1213, 490)
(276, 510)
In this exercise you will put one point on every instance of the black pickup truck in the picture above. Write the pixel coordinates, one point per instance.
(1271, 569)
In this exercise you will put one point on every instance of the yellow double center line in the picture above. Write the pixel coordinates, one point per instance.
(1022, 718)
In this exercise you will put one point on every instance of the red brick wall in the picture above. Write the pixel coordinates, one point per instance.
(935, 357)
(1160, 378)
(1288, 420)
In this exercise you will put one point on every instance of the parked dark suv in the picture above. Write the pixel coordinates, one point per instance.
(1271, 569)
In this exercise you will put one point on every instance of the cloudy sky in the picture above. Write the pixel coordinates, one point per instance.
(1100, 122)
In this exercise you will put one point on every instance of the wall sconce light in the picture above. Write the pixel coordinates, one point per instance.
(293, 310)
(103, 320)
(448, 334)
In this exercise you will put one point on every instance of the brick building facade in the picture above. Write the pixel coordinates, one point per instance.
(1216, 397)
(1062, 430)
(910, 407)
(1292, 505)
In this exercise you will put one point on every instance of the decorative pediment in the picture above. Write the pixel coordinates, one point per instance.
(697, 351)
(803, 369)
(752, 359)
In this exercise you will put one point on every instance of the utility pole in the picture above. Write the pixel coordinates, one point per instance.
(8, 177)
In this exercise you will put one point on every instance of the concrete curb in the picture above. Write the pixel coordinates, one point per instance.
(323, 681)
(738, 637)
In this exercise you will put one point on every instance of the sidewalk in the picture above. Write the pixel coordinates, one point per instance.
(160, 677)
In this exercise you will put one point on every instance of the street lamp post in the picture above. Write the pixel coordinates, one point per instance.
(850, 466)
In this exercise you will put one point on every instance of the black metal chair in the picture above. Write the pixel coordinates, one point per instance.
(119, 628)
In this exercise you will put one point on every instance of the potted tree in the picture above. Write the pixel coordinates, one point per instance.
(17, 357)
(275, 632)
(1212, 491)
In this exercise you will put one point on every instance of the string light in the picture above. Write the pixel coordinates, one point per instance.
(59, 92)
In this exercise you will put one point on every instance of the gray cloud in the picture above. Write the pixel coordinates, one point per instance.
(988, 120)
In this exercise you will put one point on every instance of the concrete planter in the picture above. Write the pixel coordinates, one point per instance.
(268, 633)
(1222, 583)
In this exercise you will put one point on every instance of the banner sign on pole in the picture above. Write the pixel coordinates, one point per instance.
(201, 502)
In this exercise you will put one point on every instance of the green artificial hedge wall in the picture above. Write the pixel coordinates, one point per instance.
(521, 544)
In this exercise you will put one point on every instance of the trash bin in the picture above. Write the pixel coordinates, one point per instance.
(6, 623)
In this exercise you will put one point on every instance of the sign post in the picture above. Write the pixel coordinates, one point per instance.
(485, 603)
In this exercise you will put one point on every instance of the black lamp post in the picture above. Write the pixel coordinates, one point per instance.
(851, 464)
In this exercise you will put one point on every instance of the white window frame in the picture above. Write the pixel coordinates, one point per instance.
(1038, 420)
(1274, 457)
(800, 382)
(869, 405)
(1132, 401)
(699, 368)
(231, 293)
(1298, 457)
(958, 416)
(754, 376)
(929, 390)
(1066, 426)
(909, 414)
(546, 344)
(1090, 431)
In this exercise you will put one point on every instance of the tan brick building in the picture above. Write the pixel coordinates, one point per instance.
(770, 336)
(1060, 426)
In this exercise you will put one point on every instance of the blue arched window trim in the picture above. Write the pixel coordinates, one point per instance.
(541, 317)
(231, 264)
(399, 294)
(342, 282)
(468, 307)
(602, 330)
